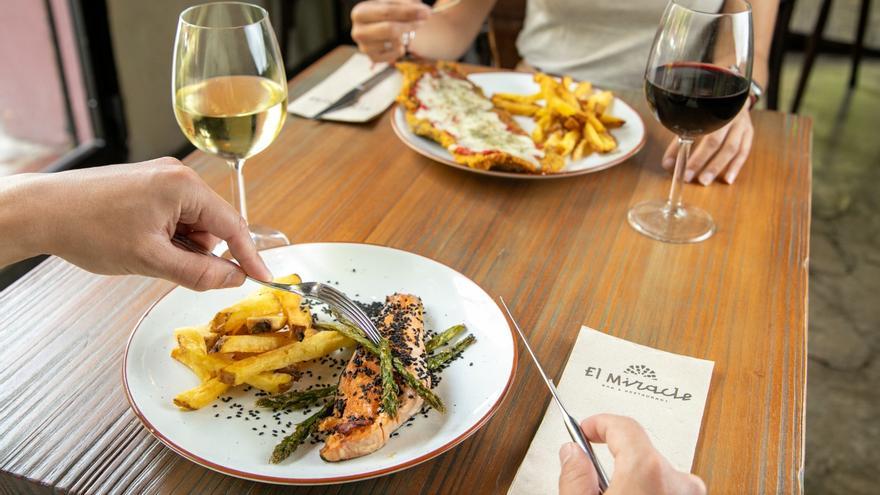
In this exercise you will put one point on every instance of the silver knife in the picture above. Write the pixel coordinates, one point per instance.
(354, 95)
(571, 424)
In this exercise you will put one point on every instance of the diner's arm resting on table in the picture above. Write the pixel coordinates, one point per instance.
(119, 219)
(722, 154)
(638, 468)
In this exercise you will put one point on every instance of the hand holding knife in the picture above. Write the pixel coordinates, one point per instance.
(571, 424)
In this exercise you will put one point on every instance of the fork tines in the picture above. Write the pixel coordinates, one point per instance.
(350, 310)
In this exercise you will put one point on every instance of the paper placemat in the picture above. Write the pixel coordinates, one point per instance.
(357, 69)
(663, 391)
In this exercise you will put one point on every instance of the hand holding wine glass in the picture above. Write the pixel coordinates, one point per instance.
(230, 90)
(696, 81)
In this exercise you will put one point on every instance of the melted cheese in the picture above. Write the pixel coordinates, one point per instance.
(451, 105)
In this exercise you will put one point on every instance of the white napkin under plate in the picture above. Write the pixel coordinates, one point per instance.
(665, 392)
(354, 71)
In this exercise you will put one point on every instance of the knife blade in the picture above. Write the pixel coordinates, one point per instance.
(352, 97)
(571, 424)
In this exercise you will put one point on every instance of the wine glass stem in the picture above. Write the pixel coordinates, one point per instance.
(239, 191)
(684, 148)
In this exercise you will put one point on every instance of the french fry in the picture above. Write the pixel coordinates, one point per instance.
(610, 121)
(515, 107)
(233, 320)
(298, 318)
(201, 396)
(568, 142)
(253, 343)
(592, 137)
(583, 90)
(191, 338)
(273, 383)
(264, 324)
(564, 92)
(320, 344)
(553, 140)
(518, 97)
(591, 118)
(602, 101)
(205, 366)
(562, 107)
(581, 150)
(572, 124)
(538, 134)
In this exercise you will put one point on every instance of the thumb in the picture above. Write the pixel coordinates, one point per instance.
(195, 271)
(578, 476)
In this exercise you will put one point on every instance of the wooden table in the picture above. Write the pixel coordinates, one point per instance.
(559, 251)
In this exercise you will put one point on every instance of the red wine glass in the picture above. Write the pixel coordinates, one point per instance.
(697, 80)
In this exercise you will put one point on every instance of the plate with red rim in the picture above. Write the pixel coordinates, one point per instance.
(630, 137)
(472, 388)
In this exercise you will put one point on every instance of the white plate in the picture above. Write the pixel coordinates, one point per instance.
(630, 137)
(472, 393)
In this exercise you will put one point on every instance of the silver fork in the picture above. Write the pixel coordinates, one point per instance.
(324, 293)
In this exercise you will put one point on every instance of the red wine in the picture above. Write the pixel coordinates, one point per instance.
(691, 99)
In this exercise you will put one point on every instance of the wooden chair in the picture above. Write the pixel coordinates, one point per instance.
(816, 39)
(505, 23)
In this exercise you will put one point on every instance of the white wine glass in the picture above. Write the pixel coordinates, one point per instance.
(230, 90)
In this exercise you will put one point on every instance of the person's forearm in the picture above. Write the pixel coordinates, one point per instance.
(448, 34)
(764, 22)
(20, 222)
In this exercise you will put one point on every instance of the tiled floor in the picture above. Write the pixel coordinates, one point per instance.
(843, 390)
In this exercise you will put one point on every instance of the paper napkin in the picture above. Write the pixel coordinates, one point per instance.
(354, 71)
(665, 392)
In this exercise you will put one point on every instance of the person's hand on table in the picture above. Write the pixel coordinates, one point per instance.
(719, 155)
(119, 219)
(638, 468)
(377, 26)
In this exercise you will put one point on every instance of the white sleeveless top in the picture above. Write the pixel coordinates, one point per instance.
(602, 41)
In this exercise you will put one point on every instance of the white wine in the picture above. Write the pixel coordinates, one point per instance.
(233, 117)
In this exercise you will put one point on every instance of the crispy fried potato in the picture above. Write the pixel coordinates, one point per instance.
(562, 107)
(553, 140)
(191, 338)
(298, 318)
(273, 383)
(591, 118)
(553, 162)
(610, 121)
(602, 101)
(264, 324)
(515, 107)
(572, 124)
(518, 97)
(201, 396)
(253, 343)
(320, 344)
(592, 137)
(568, 142)
(538, 134)
(203, 365)
(581, 150)
(233, 320)
(565, 94)
(583, 90)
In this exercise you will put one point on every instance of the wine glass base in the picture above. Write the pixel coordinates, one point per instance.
(266, 238)
(658, 220)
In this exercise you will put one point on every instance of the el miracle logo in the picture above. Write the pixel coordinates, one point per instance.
(639, 380)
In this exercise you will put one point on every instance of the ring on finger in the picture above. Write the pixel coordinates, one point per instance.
(387, 46)
(407, 37)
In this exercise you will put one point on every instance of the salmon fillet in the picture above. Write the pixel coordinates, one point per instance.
(358, 425)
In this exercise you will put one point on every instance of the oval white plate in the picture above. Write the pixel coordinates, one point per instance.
(630, 137)
(472, 393)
